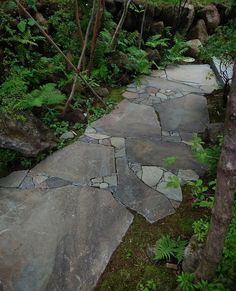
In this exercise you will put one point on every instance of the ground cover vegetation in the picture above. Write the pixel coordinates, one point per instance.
(36, 78)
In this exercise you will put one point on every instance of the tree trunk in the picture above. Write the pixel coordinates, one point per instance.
(77, 19)
(120, 24)
(96, 31)
(142, 26)
(226, 183)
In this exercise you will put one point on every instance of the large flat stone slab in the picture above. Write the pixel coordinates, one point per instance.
(199, 76)
(60, 239)
(13, 180)
(152, 152)
(78, 162)
(129, 120)
(132, 192)
(185, 114)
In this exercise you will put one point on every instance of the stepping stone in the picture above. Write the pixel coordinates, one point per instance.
(169, 192)
(194, 75)
(188, 175)
(185, 114)
(151, 175)
(58, 239)
(139, 197)
(152, 152)
(129, 120)
(13, 180)
(78, 162)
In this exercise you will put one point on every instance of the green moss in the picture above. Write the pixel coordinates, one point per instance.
(115, 95)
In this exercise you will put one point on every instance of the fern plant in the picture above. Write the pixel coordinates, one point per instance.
(157, 41)
(46, 95)
(166, 248)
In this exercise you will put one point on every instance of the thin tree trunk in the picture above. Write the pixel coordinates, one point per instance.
(75, 80)
(80, 32)
(59, 50)
(97, 27)
(142, 26)
(226, 183)
(120, 24)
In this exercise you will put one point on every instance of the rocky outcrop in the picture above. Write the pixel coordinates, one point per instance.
(211, 17)
(199, 31)
(25, 134)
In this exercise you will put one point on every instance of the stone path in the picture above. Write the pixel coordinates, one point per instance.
(61, 221)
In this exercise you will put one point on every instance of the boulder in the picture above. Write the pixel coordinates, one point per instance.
(157, 27)
(25, 133)
(199, 31)
(192, 255)
(118, 58)
(170, 16)
(213, 131)
(153, 55)
(211, 17)
(194, 46)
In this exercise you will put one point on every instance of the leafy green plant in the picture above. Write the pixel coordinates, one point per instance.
(185, 281)
(173, 182)
(166, 248)
(157, 41)
(198, 189)
(169, 161)
(138, 62)
(149, 286)
(200, 229)
(44, 96)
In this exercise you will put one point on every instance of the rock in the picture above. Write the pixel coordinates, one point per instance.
(74, 116)
(123, 121)
(157, 27)
(171, 266)
(118, 58)
(151, 175)
(192, 255)
(102, 92)
(78, 162)
(25, 134)
(211, 17)
(194, 46)
(118, 142)
(213, 131)
(27, 183)
(67, 135)
(65, 239)
(188, 175)
(151, 253)
(112, 180)
(13, 180)
(171, 18)
(39, 179)
(153, 55)
(136, 195)
(104, 186)
(199, 31)
(55, 182)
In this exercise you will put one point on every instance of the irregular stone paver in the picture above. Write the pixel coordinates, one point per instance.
(13, 180)
(151, 175)
(60, 239)
(173, 193)
(139, 197)
(188, 175)
(78, 162)
(153, 152)
(123, 121)
(186, 114)
(199, 76)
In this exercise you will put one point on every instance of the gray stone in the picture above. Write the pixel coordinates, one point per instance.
(193, 76)
(161, 96)
(97, 136)
(13, 180)
(78, 162)
(139, 197)
(118, 142)
(104, 186)
(135, 167)
(87, 139)
(120, 153)
(67, 135)
(170, 192)
(90, 130)
(130, 95)
(188, 175)
(111, 180)
(153, 152)
(38, 179)
(194, 46)
(25, 133)
(65, 239)
(185, 114)
(129, 120)
(97, 180)
(55, 182)
(151, 175)
(211, 16)
(27, 183)
(199, 31)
